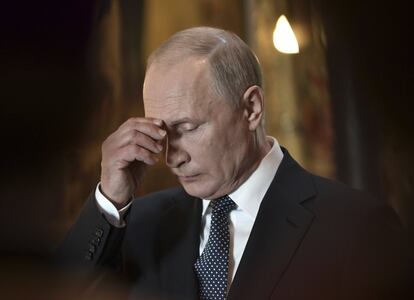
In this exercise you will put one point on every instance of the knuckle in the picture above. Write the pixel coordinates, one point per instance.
(130, 120)
(130, 136)
(136, 151)
(135, 134)
(140, 138)
(127, 123)
(143, 154)
(134, 137)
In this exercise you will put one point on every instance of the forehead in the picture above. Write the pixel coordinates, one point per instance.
(177, 91)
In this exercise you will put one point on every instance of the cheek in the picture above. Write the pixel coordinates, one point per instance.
(205, 148)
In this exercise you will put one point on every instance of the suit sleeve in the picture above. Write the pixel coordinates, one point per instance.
(92, 241)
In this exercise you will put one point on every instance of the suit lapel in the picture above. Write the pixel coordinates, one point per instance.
(182, 222)
(280, 226)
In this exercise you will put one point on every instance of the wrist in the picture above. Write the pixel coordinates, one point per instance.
(118, 202)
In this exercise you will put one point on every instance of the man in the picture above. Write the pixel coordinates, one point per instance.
(248, 221)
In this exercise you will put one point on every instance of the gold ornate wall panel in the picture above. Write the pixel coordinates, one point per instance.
(296, 87)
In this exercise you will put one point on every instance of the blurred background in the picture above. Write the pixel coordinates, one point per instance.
(72, 72)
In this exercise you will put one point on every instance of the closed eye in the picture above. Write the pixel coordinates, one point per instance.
(187, 127)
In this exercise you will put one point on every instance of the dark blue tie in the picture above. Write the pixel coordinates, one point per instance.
(213, 264)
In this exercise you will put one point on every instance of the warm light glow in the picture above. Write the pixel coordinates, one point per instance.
(284, 38)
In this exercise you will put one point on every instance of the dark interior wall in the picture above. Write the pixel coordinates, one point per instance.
(43, 71)
(45, 101)
(54, 115)
(56, 111)
(369, 57)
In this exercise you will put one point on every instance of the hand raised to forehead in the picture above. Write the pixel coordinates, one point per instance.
(125, 154)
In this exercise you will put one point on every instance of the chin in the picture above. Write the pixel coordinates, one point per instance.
(202, 191)
(198, 190)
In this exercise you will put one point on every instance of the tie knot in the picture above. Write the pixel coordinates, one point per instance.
(223, 205)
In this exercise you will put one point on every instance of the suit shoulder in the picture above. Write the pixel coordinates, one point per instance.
(156, 203)
(331, 187)
(341, 200)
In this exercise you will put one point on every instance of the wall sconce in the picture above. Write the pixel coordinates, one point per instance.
(284, 38)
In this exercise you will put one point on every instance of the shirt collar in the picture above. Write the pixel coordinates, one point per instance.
(249, 195)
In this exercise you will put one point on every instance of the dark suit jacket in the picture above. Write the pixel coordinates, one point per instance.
(312, 239)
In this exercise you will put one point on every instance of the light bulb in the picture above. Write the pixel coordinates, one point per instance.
(284, 38)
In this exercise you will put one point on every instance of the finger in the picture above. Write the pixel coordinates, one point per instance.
(131, 153)
(147, 128)
(132, 121)
(139, 139)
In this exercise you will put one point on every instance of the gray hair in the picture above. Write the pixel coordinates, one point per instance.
(233, 65)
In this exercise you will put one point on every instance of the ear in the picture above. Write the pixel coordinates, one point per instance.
(253, 105)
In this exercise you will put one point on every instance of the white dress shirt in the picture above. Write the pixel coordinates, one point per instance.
(247, 196)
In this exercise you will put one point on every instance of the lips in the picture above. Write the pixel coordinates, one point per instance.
(188, 178)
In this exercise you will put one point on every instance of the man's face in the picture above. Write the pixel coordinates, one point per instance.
(208, 140)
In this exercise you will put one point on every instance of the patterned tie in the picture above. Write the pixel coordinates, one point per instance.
(213, 264)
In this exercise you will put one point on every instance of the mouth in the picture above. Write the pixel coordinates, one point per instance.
(188, 178)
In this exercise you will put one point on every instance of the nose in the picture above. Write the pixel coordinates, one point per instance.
(175, 155)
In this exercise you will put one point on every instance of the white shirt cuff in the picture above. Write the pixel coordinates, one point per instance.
(114, 216)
